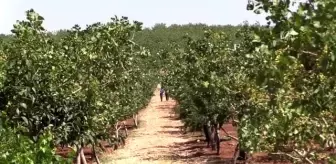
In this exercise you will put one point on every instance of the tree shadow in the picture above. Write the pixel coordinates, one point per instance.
(192, 151)
(160, 107)
(172, 132)
(173, 127)
(171, 118)
(218, 160)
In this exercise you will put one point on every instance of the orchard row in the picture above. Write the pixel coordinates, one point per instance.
(71, 91)
(275, 82)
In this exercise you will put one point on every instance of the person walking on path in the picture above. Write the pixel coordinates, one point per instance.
(167, 95)
(162, 91)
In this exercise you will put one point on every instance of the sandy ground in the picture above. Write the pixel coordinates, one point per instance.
(159, 138)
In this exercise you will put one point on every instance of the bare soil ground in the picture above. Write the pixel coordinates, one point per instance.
(161, 140)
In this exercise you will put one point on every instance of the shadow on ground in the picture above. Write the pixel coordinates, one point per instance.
(171, 118)
(173, 127)
(171, 132)
(164, 106)
(192, 151)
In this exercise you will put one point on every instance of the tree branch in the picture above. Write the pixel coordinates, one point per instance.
(235, 138)
(288, 155)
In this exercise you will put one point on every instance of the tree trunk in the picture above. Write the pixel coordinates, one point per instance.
(207, 134)
(95, 154)
(125, 129)
(117, 131)
(82, 155)
(236, 154)
(135, 118)
(102, 147)
(78, 157)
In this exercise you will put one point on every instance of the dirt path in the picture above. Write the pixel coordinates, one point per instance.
(159, 139)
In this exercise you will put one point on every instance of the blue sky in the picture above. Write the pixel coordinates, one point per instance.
(61, 14)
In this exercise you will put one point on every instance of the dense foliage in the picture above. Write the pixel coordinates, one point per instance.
(76, 88)
(160, 36)
(277, 82)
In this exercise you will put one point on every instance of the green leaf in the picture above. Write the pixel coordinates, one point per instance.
(206, 84)
(25, 120)
(296, 131)
(24, 105)
(292, 32)
(317, 24)
(332, 57)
